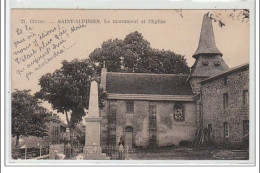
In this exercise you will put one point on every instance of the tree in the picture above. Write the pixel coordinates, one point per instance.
(161, 61)
(134, 54)
(28, 117)
(67, 90)
(111, 52)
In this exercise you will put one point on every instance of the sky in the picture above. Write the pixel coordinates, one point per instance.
(175, 32)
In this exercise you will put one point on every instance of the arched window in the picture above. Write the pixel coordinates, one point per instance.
(129, 129)
(178, 112)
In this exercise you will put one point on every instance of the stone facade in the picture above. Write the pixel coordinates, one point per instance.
(168, 131)
(235, 84)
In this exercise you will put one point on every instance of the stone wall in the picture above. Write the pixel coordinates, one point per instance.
(195, 85)
(31, 141)
(169, 131)
(213, 109)
(58, 147)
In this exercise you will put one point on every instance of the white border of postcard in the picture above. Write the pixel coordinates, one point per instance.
(128, 4)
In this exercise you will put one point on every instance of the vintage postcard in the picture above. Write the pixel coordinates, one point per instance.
(130, 85)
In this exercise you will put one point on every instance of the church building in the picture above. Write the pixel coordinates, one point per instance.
(161, 109)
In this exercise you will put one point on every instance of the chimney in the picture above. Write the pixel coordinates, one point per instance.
(207, 43)
(103, 76)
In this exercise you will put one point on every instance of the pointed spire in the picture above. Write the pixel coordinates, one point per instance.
(207, 43)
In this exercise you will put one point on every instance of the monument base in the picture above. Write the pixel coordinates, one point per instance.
(94, 153)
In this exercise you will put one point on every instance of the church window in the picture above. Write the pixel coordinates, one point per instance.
(130, 107)
(152, 124)
(152, 116)
(225, 100)
(178, 112)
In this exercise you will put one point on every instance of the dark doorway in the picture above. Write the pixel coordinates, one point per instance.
(129, 137)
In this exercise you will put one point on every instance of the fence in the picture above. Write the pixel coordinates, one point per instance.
(43, 152)
(30, 153)
(77, 149)
(113, 152)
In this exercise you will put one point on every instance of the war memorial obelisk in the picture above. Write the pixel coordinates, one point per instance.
(92, 149)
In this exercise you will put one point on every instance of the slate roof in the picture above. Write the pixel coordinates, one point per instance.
(145, 83)
(231, 70)
(207, 43)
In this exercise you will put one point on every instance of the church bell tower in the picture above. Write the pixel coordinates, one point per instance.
(209, 61)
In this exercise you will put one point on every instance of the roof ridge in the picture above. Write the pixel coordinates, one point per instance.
(230, 70)
(151, 74)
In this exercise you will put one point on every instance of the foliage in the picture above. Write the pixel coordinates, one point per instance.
(134, 54)
(67, 89)
(241, 15)
(219, 17)
(81, 139)
(28, 117)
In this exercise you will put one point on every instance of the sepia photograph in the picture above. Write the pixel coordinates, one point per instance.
(130, 84)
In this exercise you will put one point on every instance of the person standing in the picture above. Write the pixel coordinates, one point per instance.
(121, 145)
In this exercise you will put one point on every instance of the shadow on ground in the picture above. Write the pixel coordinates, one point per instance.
(187, 154)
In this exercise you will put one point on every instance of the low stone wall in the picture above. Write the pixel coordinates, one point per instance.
(58, 147)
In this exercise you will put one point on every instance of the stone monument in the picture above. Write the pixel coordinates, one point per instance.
(92, 149)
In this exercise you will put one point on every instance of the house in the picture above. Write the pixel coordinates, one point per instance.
(165, 109)
(227, 115)
(55, 128)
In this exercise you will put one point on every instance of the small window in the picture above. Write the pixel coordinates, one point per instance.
(205, 63)
(112, 128)
(225, 100)
(178, 112)
(210, 127)
(217, 63)
(226, 130)
(130, 107)
(245, 97)
(225, 80)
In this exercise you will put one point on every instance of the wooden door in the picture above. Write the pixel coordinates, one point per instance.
(129, 137)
